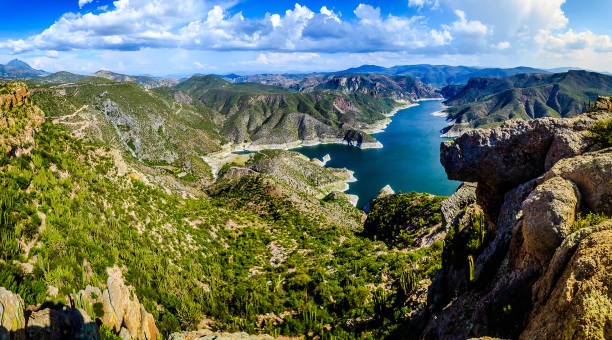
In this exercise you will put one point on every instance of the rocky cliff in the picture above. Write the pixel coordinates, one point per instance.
(19, 119)
(535, 263)
(116, 307)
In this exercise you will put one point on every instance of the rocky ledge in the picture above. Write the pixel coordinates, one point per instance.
(116, 307)
(537, 263)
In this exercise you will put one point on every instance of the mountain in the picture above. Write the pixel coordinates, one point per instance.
(111, 224)
(19, 69)
(258, 115)
(442, 75)
(490, 101)
(399, 88)
(154, 250)
(144, 81)
(58, 78)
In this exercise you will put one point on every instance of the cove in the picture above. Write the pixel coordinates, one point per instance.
(409, 160)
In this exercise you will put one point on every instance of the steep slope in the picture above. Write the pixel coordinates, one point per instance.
(398, 88)
(145, 125)
(530, 259)
(258, 116)
(489, 101)
(89, 239)
(144, 81)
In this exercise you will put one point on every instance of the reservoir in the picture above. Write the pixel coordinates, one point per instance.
(409, 160)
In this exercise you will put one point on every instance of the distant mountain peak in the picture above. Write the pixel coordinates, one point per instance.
(17, 62)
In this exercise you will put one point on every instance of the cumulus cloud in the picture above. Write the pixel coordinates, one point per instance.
(84, 2)
(514, 19)
(192, 24)
(434, 4)
(573, 41)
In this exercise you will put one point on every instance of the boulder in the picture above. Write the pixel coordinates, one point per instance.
(502, 158)
(122, 312)
(548, 213)
(592, 173)
(452, 206)
(580, 304)
(12, 320)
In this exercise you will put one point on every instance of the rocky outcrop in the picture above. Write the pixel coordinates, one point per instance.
(579, 304)
(116, 307)
(12, 320)
(120, 308)
(536, 275)
(502, 158)
(452, 206)
(548, 213)
(19, 119)
(45, 324)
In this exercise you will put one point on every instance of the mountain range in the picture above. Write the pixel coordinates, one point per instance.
(486, 102)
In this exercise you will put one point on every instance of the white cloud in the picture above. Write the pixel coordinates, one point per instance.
(191, 24)
(84, 2)
(514, 19)
(434, 4)
(464, 26)
(52, 54)
(276, 58)
(573, 41)
(502, 45)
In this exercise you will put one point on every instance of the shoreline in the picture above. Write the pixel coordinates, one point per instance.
(441, 113)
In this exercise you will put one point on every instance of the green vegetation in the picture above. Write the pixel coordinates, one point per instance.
(602, 132)
(399, 219)
(485, 102)
(463, 243)
(587, 220)
(234, 257)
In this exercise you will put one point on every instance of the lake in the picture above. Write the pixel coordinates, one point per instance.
(409, 160)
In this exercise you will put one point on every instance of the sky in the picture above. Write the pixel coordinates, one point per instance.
(180, 37)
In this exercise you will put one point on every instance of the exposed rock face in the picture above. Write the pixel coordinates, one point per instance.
(19, 119)
(450, 207)
(580, 303)
(548, 213)
(12, 321)
(536, 277)
(502, 158)
(121, 311)
(121, 308)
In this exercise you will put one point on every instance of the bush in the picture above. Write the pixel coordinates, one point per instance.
(602, 132)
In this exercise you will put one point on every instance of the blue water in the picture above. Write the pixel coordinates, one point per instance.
(409, 160)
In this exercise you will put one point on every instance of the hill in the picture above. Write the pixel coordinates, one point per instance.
(400, 88)
(439, 76)
(94, 243)
(258, 115)
(144, 81)
(17, 69)
(490, 101)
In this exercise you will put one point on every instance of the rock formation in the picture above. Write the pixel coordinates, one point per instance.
(116, 307)
(19, 119)
(535, 274)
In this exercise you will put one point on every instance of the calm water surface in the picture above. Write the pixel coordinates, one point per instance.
(409, 160)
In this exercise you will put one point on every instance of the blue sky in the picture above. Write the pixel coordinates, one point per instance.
(180, 37)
